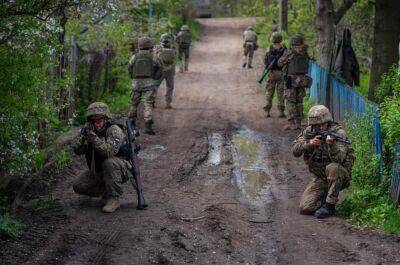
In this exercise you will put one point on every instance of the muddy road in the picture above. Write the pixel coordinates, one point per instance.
(221, 183)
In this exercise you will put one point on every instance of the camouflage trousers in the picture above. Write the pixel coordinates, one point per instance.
(106, 183)
(145, 96)
(294, 103)
(169, 76)
(248, 51)
(324, 189)
(272, 85)
(183, 55)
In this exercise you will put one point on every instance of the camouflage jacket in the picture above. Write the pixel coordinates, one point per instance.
(105, 144)
(317, 158)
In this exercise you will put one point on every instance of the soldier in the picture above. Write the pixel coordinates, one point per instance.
(295, 61)
(166, 54)
(275, 76)
(324, 146)
(101, 141)
(145, 70)
(249, 45)
(184, 39)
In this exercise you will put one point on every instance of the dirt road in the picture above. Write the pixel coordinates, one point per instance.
(221, 183)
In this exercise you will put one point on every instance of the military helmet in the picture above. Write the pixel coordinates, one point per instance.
(145, 43)
(185, 27)
(276, 37)
(165, 37)
(319, 114)
(297, 40)
(98, 109)
(250, 28)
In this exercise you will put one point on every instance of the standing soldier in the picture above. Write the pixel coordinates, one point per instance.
(249, 46)
(324, 146)
(275, 76)
(145, 70)
(295, 61)
(101, 141)
(166, 54)
(184, 39)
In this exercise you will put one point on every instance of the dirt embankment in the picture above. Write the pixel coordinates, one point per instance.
(221, 183)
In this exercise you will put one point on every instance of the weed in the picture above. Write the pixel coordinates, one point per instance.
(62, 159)
(9, 227)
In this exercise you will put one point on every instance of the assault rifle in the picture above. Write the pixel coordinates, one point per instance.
(323, 134)
(134, 149)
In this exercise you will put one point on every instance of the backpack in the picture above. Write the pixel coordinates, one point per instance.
(250, 36)
(142, 65)
(167, 55)
(185, 37)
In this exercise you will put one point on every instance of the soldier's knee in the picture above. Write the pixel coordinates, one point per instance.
(109, 163)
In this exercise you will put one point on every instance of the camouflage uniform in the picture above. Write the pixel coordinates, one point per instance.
(249, 46)
(108, 168)
(275, 76)
(330, 166)
(143, 88)
(295, 61)
(168, 67)
(183, 39)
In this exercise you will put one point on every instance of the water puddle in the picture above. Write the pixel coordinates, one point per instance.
(215, 149)
(251, 173)
(151, 152)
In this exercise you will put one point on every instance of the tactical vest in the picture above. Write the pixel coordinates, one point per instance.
(143, 65)
(274, 54)
(167, 55)
(185, 37)
(250, 36)
(298, 65)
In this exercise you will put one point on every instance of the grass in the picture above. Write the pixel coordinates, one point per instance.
(9, 227)
(44, 203)
(364, 83)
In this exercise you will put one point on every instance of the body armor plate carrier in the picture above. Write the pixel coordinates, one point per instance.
(143, 65)
(298, 65)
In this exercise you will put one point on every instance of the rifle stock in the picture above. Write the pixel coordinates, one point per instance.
(134, 159)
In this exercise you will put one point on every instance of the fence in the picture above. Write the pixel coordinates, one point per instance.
(344, 100)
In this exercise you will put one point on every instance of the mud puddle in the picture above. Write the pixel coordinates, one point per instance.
(251, 172)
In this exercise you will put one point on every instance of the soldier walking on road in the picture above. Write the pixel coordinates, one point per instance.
(295, 62)
(275, 76)
(324, 146)
(101, 141)
(184, 39)
(250, 45)
(145, 70)
(166, 54)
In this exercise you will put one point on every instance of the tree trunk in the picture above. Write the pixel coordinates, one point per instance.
(386, 40)
(283, 15)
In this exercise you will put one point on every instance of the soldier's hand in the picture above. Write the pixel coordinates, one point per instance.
(329, 140)
(316, 141)
(90, 136)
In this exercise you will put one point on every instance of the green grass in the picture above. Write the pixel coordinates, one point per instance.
(44, 203)
(364, 84)
(9, 227)
(63, 158)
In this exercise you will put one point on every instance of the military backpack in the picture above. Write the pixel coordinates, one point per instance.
(142, 66)
(250, 36)
(167, 55)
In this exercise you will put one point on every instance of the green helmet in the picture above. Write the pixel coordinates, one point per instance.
(276, 37)
(319, 114)
(297, 40)
(185, 28)
(98, 109)
(145, 43)
(250, 28)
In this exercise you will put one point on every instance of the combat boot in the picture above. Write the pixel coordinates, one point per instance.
(282, 114)
(245, 62)
(112, 204)
(249, 61)
(327, 210)
(267, 111)
(148, 127)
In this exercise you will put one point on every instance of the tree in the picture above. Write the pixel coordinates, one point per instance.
(386, 41)
(283, 15)
(327, 20)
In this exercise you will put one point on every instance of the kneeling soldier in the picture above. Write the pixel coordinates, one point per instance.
(100, 141)
(324, 147)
